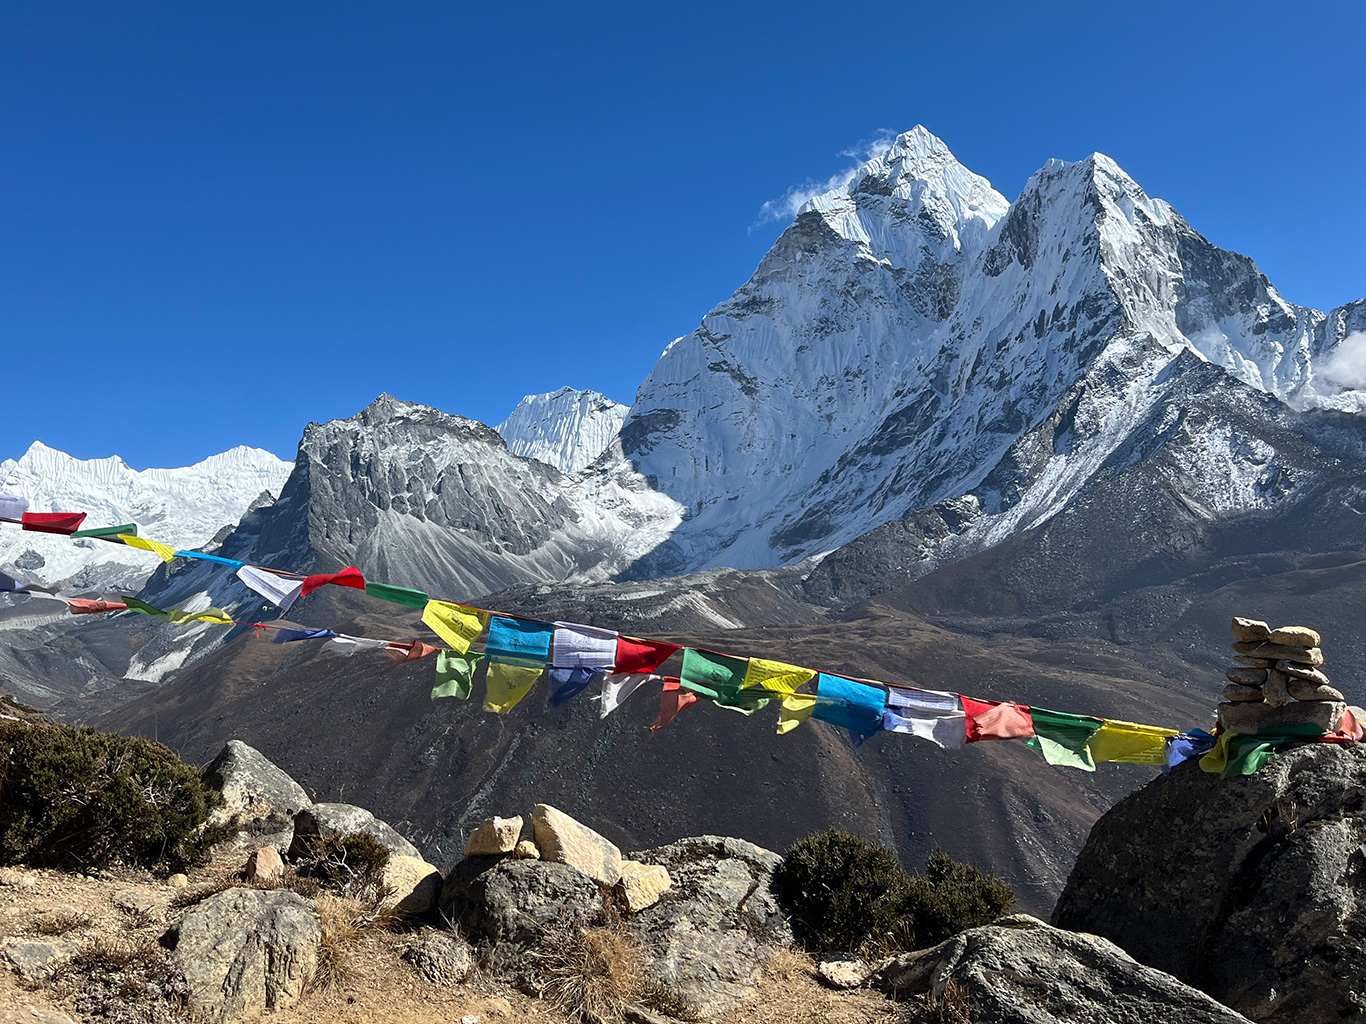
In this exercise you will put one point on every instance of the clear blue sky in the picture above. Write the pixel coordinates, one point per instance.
(220, 220)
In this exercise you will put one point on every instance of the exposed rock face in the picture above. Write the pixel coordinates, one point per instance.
(263, 797)
(441, 958)
(641, 885)
(323, 821)
(264, 865)
(563, 840)
(1252, 888)
(36, 960)
(245, 951)
(509, 901)
(713, 932)
(1021, 971)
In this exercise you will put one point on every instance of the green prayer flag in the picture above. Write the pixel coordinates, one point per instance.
(721, 679)
(1239, 754)
(128, 529)
(398, 595)
(1062, 738)
(455, 674)
(134, 605)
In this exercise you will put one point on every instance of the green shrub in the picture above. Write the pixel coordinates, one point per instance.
(845, 893)
(82, 798)
(350, 865)
(949, 898)
(841, 891)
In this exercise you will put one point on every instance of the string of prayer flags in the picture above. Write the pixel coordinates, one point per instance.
(348, 577)
(216, 616)
(410, 651)
(721, 679)
(455, 674)
(635, 655)
(1183, 747)
(578, 654)
(281, 591)
(348, 645)
(673, 699)
(1134, 744)
(617, 687)
(398, 595)
(775, 676)
(52, 522)
(162, 551)
(12, 506)
(850, 705)
(1062, 738)
(517, 651)
(990, 720)
(23, 605)
(932, 715)
(107, 531)
(87, 606)
(289, 636)
(1235, 754)
(507, 683)
(142, 607)
(454, 623)
(231, 563)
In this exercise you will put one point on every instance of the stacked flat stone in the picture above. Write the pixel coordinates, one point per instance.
(1277, 680)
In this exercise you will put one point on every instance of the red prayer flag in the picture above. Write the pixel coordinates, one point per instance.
(988, 720)
(53, 522)
(409, 652)
(348, 577)
(672, 699)
(641, 655)
(85, 606)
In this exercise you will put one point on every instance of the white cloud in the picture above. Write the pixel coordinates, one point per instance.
(1346, 367)
(785, 207)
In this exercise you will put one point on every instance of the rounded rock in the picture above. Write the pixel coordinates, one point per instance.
(1246, 676)
(1238, 692)
(1296, 636)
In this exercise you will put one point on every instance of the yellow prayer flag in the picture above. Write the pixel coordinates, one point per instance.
(507, 684)
(215, 615)
(156, 547)
(775, 676)
(796, 709)
(454, 623)
(1125, 741)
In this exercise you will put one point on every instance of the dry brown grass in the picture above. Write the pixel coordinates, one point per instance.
(59, 922)
(340, 937)
(591, 974)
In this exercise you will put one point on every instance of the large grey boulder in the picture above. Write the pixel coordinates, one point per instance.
(1021, 971)
(245, 951)
(262, 796)
(1252, 888)
(714, 930)
(323, 821)
(509, 902)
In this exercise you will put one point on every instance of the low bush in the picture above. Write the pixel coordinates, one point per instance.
(841, 890)
(845, 893)
(81, 798)
(949, 898)
(350, 865)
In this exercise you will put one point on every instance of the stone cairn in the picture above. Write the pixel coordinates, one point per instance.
(1277, 680)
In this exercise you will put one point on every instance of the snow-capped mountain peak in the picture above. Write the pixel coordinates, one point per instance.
(567, 429)
(184, 507)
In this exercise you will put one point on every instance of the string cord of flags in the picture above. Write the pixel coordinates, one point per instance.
(517, 651)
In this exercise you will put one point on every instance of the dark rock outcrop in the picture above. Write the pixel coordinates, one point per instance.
(1253, 889)
(1021, 971)
(509, 902)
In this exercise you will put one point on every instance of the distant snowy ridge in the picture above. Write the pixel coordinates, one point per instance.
(567, 429)
(183, 507)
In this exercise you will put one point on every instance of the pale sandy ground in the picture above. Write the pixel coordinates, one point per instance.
(382, 989)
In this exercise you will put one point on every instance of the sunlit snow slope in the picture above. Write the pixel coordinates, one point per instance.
(566, 429)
